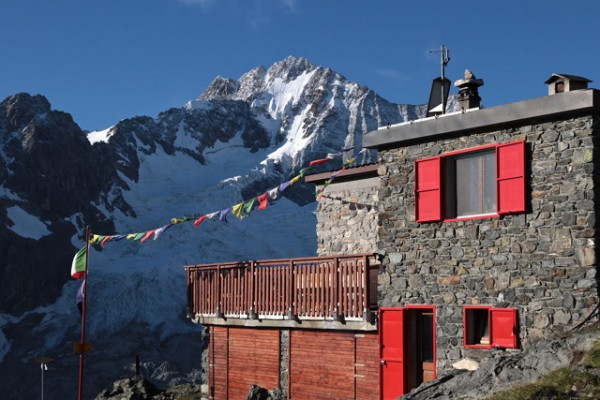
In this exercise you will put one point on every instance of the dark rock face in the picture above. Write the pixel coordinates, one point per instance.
(51, 171)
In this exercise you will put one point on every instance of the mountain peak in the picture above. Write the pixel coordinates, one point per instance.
(290, 68)
(21, 108)
(253, 81)
(220, 89)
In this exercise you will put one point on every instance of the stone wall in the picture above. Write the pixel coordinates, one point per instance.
(542, 262)
(347, 218)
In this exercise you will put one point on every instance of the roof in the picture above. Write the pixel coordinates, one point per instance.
(555, 77)
(351, 172)
(577, 102)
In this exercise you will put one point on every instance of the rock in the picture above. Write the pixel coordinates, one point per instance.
(257, 393)
(506, 369)
(466, 363)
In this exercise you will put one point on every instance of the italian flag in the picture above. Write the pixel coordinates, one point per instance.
(78, 268)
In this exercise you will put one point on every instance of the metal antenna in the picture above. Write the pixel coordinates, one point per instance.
(444, 60)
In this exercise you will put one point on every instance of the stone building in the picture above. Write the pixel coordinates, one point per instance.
(488, 219)
(474, 235)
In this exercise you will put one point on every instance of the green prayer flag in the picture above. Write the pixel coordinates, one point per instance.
(78, 267)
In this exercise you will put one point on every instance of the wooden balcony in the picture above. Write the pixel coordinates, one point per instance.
(337, 290)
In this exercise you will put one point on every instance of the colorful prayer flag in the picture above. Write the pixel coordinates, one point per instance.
(79, 298)
(158, 231)
(263, 200)
(319, 162)
(284, 186)
(273, 193)
(296, 179)
(223, 215)
(199, 221)
(248, 206)
(303, 171)
(78, 267)
(237, 210)
(147, 235)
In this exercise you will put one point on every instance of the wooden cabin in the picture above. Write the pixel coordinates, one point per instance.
(473, 236)
(304, 325)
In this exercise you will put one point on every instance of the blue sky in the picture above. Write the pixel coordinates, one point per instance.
(106, 60)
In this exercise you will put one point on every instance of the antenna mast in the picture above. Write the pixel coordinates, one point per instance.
(444, 60)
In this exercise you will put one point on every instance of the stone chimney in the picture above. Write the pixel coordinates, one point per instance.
(559, 83)
(468, 94)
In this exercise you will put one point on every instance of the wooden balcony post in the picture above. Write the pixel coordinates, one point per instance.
(190, 294)
(290, 284)
(336, 290)
(365, 285)
(251, 313)
(218, 311)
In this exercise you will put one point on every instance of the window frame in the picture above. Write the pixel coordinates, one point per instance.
(431, 180)
(502, 327)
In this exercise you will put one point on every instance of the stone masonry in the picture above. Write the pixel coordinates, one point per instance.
(542, 262)
(347, 218)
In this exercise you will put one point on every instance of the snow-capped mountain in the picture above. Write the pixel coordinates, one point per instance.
(238, 139)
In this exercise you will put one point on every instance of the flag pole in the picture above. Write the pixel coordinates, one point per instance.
(82, 339)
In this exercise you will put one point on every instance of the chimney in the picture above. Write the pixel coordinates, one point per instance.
(468, 94)
(559, 83)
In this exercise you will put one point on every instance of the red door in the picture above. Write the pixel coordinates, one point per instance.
(391, 353)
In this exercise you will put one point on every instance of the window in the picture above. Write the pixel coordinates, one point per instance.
(487, 327)
(479, 182)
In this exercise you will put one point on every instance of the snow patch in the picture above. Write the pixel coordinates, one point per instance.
(9, 194)
(101, 136)
(197, 105)
(25, 224)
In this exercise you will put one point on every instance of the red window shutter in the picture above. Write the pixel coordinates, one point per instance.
(503, 323)
(510, 177)
(428, 189)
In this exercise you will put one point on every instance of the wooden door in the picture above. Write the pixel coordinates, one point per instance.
(240, 357)
(339, 365)
(391, 352)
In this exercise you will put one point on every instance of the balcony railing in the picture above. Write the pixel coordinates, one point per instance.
(325, 288)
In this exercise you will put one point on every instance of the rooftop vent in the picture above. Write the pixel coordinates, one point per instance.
(468, 93)
(559, 83)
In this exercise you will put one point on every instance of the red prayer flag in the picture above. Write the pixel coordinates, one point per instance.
(319, 162)
(199, 221)
(148, 234)
(106, 239)
(263, 200)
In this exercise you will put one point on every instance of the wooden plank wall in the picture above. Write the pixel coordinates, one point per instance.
(333, 365)
(253, 359)
(322, 364)
(367, 366)
(217, 362)
(241, 357)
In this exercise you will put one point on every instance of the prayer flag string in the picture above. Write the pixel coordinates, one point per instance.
(240, 210)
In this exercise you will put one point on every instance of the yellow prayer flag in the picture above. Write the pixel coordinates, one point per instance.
(237, 210)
